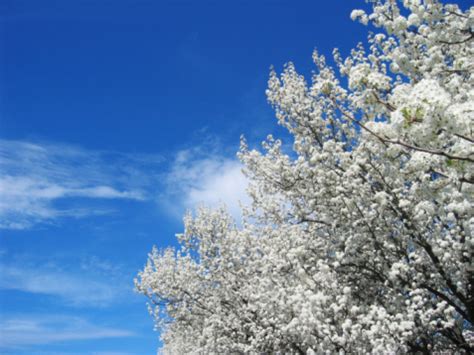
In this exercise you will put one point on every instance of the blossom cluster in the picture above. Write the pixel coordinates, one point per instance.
(361, 239)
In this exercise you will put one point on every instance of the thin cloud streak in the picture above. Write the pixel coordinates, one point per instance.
(34, 176)
(26, 331)
(72, 288)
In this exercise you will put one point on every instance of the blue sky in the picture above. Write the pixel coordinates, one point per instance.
(116, 117)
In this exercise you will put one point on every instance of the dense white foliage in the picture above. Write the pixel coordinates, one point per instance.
(359, 241)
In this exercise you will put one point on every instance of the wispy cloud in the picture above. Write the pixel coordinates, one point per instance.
(201, 176)
(26, 331)
(35, 176)
(76, 288)
(44, 182)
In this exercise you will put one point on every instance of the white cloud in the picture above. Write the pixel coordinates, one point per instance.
(34, 177)
(73, 288)
(28, 331)
(43, 182)
(205, 178)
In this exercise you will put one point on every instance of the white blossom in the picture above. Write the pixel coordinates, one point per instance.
(361, 239)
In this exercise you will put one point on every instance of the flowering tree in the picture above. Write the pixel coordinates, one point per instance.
(360, 240)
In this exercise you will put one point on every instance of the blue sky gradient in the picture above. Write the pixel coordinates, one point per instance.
(115, 118)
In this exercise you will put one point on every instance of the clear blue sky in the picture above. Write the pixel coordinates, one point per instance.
(115, 117)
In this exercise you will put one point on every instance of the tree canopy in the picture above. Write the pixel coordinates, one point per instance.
(359, 240)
